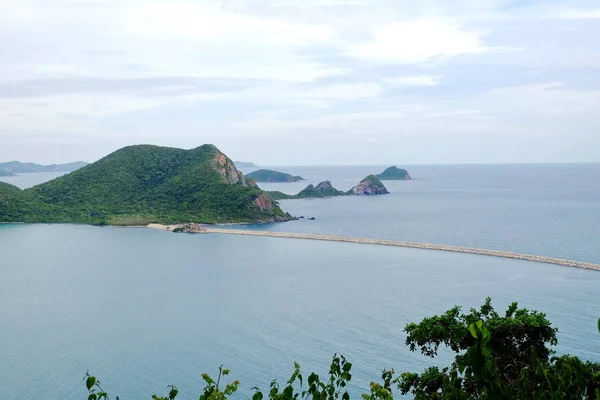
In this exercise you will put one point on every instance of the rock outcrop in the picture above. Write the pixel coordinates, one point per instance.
(394, 173)
(371, 185)
(190, 228)
(264, 203)
(226, 168)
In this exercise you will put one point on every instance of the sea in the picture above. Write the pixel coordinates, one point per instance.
(142, 309)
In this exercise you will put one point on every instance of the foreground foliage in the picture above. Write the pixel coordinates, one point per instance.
(506, 356)
(140, 185)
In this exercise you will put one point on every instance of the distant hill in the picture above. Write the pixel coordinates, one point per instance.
(141, 184)
(245, 164)
(16, 167)
(268, 175)
(394, 173)
(6, 173)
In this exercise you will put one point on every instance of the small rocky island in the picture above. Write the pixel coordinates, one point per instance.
(371, 185)
(323, 189)
(269, 175)
(368, 186)
(394, 173)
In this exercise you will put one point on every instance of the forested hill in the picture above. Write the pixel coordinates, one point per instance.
(142, 184)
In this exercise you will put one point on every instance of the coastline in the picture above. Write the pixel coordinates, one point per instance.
(394, 243)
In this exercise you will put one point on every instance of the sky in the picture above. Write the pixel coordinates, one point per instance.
(303, 82)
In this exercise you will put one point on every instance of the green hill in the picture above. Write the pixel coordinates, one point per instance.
(394, 173)
(142, 184)
(268, 175)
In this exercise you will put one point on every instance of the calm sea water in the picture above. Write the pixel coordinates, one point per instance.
(550, 210)
(142, 308)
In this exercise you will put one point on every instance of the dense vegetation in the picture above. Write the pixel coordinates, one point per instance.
(24, 168)
(268, 175)
(143, 184)
(498, 356)
(394, 173)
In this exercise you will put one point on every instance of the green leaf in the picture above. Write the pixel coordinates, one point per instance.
(257, 396)
(473, 331)
(92, 396)
(90, 382)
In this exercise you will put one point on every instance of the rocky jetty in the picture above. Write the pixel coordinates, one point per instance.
(369, 186)
(394, 174)
(426, 246)
(190, 228)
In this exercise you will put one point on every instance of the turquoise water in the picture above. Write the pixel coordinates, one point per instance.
(548, 210)
(142, 308)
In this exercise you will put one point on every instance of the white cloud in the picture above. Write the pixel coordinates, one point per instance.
(419, 41)
(413, 80)
(579, 14)
(288, 69)
(209, 23)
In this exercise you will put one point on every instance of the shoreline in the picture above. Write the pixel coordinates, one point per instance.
(394, 243)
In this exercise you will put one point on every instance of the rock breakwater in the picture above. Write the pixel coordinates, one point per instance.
(426, 246)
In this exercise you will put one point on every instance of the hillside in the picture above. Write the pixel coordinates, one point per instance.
(394, 173)
(17, 205)
(6, 173)
(16, 167)
(142, 184)
(268, 175)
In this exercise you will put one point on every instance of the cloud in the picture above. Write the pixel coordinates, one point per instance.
(419, 41)
(413, 80)
(156, 86)
(593, 13)
(429, 75)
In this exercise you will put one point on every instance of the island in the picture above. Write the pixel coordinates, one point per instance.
(144, 184)
(268, 175)
(244, 164)
(394, 173)
(17, 167)
(371, 185)
(368, 186)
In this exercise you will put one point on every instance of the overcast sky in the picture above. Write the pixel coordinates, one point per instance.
(288, 82)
